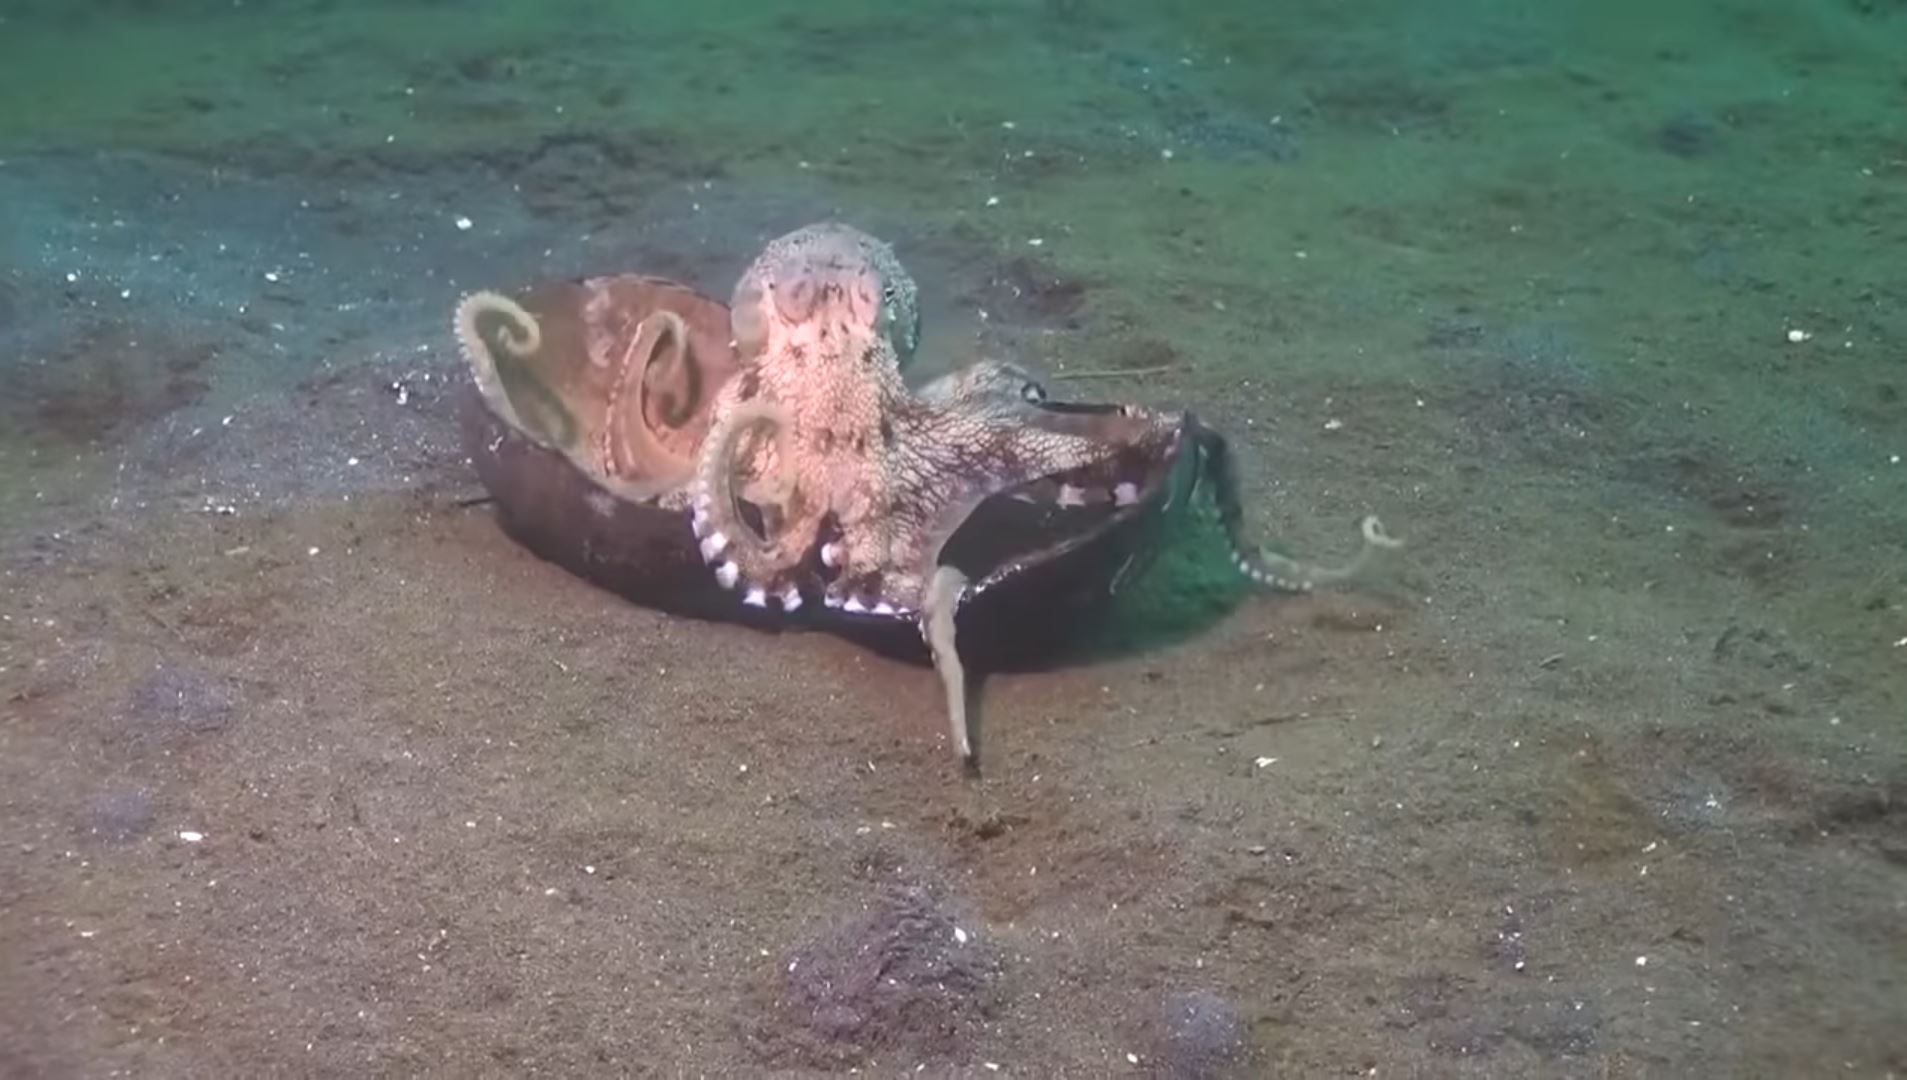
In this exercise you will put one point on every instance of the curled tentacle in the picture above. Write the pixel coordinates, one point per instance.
(1293, 575)
(520, 333)
(1266, 567)
(630, 448)
(681, 376)
(496, 348)
(744, 557)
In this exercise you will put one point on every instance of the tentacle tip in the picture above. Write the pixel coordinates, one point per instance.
(1374, 533)
(521, 335)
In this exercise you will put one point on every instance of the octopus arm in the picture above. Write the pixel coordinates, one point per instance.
(1267, 567)
(741, 554)
(631, 450)
(499, 339)
(937, 627)
(958, 458)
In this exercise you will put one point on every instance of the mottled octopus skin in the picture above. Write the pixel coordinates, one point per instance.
(820, 432)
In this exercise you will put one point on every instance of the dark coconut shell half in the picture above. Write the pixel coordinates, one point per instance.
(538, 426)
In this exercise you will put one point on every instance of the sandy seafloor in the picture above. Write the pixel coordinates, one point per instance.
(1602, 306)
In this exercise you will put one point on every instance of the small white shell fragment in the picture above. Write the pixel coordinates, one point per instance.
(1132, 1059)
(1642, 961)
(191, 836)
(1796, 335)
(1265, 761)
(993, 200)
(463, 223)
(1333, 424)
(960, 935)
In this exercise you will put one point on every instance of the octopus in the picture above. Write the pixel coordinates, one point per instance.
(821, 464)
(809, 469)
(819, 453)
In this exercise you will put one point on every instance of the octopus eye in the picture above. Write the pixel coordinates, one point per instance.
(1033, 393)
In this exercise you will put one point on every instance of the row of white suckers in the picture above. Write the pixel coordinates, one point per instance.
(713, 543)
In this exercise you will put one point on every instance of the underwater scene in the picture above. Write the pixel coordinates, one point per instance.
(1042, 538)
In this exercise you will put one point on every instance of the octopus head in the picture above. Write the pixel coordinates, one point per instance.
(831, 281)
